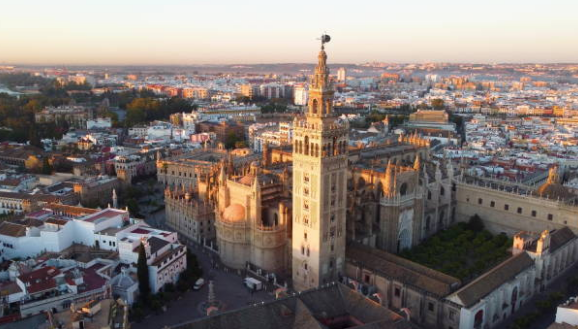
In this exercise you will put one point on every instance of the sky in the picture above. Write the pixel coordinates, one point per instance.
(179, 32)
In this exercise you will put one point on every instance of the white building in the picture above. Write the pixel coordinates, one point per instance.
(166, 257)
(537, 260)
(567, 313)
(341, 74)
(99, 123)
(300, 95)
(54, 231)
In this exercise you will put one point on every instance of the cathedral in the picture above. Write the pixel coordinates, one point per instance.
(324, 210)
(292, 212)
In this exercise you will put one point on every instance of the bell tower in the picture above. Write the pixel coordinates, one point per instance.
(319, 185)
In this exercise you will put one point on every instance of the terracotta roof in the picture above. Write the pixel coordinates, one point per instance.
(57, 221)
(106, 213)
(12, 229)
(40, 280)
(401, 269)
(491, 280)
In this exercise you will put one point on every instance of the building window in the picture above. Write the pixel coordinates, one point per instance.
(332, 217)
(519, 210)
(480, 201)
(397, 292)
(550, 217)
(302, 250)
(452, 315)
(492, 204)
(430, 306)
(506, 207)
(366, 278)
(533, 213)
(305, 236)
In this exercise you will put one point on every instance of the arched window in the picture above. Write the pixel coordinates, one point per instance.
(334, 149)
(514, 299)
(403, 241)
(403, 189)
(441, 219)
(314, 106)
(442, 191)
(306, 145)
(479, 319)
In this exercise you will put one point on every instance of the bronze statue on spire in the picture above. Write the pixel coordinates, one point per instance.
(325, 38)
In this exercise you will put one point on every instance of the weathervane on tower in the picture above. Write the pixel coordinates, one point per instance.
(325, 38)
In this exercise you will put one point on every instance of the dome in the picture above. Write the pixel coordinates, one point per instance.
(554, 191)
(234, 213)
(552, 188)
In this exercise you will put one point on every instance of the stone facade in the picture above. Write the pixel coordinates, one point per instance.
(320, 166)
(190, 215)
(253, 219)
(510, 207)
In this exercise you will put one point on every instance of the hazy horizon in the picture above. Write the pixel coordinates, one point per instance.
(195, 33)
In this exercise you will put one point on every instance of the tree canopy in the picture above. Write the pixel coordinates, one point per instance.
(143, 273)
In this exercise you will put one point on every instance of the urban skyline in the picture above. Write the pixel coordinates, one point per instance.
(183, 164)
(187, 33)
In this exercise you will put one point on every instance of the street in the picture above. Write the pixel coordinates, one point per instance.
(229, 288)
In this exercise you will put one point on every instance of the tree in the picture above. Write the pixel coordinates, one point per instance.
(143, 273)
(231, 140)
(438, 104)
(46, 167)
(475, 224)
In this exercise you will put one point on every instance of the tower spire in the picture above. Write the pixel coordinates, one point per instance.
(321, 89)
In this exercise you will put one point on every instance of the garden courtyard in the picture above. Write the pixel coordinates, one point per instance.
(464, 250)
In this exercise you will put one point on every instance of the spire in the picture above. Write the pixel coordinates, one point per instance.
(222, 175)
(388, 186)
(321, 90)
(417, 162)
(114, 199)
(438, 172)
(553, 177)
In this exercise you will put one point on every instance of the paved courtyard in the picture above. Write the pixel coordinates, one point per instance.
(229, 289)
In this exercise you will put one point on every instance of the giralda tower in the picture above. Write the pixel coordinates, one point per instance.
(319, 185)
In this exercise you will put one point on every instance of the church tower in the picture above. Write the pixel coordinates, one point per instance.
(319, 185)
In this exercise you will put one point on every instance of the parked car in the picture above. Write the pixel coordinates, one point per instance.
(253, 284)
(199, 284)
